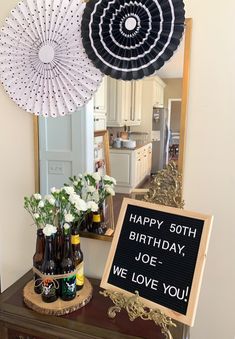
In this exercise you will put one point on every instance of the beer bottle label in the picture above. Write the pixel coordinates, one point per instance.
(68, 287)
(96, 218)
(48, 289)
(80, 275)
(75, 239)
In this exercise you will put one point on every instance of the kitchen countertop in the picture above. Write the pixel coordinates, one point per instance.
(138, 145)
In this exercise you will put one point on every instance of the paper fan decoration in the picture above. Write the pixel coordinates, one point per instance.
(132, 39)
(43, 65)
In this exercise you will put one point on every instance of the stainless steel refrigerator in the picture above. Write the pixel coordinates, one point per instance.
(160, 137)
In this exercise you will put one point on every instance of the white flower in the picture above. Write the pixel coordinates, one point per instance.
(90, 189)
(69, 190)
(111, 179)
(48, 230)
(50, 199)
(66, 226)
(41, 204)
(84, 195)
(75, 183)
(91, 205)
(73, 198)
(36, 216)
(55, 190)
(37, 196)
(95, 196)
(109, 190)
(69, 217)
(96, 176)
(81, 205)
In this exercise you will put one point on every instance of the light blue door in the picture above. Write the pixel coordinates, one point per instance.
(65, 147)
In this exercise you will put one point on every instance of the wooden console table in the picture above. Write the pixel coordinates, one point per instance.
(19, 322)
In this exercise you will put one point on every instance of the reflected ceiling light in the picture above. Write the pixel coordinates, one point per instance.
(132, 39)
(43, 65)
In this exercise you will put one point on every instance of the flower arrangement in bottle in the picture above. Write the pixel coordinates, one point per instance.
(94, 188)
(63, 205)
(68, 206)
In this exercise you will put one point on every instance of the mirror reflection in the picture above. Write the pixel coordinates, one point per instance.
(146, 124)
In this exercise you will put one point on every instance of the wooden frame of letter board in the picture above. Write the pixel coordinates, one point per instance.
(187, 319)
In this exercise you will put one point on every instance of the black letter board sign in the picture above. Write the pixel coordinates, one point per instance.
(160, 252)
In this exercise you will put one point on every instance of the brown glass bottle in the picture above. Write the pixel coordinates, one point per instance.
(96, 223)
(38, 259)
(78, 258)
(68, 284)
(58, 248)
(49, 293)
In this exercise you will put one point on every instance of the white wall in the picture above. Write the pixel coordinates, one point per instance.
(16, 181)
(209, 169)
(210, 158)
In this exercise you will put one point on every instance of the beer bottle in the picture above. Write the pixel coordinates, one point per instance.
(78, 258)
(96, 223)
(38, 259)
(58, 248)
(67, 285)
(49, 293)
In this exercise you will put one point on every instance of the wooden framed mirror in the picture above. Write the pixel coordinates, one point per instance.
(183, 117)
(185, 92)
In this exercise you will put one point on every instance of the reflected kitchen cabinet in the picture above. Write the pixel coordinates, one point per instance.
(130, 167)
(100, 98)
(158, 92)
(136, 96)
(149, 159)
(155, 90)
(99, 122)
(101, 106)
(124, 103)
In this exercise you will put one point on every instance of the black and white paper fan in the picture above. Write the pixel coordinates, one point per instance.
(43, 65)
(132, 39)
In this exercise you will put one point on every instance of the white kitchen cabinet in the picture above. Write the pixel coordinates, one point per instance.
(100, 98)
(138, 166)
(144, 158)
(100, 107)
(136, 103)
(116, 108)
(130, 167)
(124, 103)
(158, 92)
(149, 159)
(121, 167)
(100, 122)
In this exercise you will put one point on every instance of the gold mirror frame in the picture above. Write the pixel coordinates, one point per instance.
(185, 91)
(183, 120)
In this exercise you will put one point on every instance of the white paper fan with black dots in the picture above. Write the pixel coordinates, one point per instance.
(43, 65)
(132, 39)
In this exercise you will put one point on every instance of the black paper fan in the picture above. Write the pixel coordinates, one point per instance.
(132, 39)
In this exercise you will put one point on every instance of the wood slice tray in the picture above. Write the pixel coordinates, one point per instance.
(58, 307)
